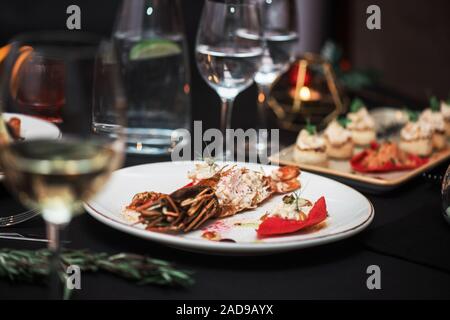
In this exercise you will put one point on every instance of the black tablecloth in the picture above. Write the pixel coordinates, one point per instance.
(420, 237)
(334, 271)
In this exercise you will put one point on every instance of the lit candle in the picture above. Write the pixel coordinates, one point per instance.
(306, 94)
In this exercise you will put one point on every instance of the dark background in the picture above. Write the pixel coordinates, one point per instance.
(408, 238)
(410, 52)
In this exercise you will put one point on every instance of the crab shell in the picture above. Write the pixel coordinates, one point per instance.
(281, 180)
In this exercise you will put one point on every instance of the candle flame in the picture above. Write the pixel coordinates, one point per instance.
(261, 97)
(305, 93)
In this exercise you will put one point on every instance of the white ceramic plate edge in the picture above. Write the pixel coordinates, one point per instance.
(211, 247)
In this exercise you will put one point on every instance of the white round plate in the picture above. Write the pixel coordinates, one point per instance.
(349, 211)
(34, 128)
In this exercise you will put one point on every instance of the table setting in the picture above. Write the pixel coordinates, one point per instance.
(103, 170)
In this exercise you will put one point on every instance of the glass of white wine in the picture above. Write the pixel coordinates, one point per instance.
(57, 175)
(229, 49)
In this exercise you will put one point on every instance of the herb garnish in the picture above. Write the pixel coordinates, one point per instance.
(344, 121)
(413, 116)
(293, 198)
(356, 105)
(310, 128)
(434, 104)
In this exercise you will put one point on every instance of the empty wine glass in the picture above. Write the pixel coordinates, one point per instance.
(279, 25)
(229, 50)
(57, 173)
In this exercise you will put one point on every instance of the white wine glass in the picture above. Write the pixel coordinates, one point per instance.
(280, 35)
(229, 50)
(58, 175)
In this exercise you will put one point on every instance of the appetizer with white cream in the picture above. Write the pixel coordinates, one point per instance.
(338, 140)
(310, 148)
(445, 110)
(361, 124)
(415, 137)
(293, 214)
(435, 119)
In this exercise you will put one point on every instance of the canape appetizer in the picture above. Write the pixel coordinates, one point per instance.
(292, 215)
(445, 110)
(310, 148)
(435, 119)
(361, 124)
(338, 140)
(416, 136)
(223, 192)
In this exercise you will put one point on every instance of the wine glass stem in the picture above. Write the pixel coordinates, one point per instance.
(53, 235)
(225, 115)
(225, 123)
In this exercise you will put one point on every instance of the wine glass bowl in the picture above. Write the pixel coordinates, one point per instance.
(280, 35)
(55, 73)
(279, 25)
(229, 49)
(38, 85)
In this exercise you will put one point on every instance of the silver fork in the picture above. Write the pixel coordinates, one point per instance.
(18, 218)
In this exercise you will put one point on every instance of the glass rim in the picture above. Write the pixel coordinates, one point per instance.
(65, 45)
(235, 3)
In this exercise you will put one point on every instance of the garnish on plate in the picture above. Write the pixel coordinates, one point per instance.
(292, 215)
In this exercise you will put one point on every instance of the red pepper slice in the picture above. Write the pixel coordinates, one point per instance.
(190, 184)
(277, 225)
(356, 163)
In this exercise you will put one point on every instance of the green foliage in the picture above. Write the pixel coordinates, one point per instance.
(312, 130)
(344, 121)
(434, 104)
(33, 266)
(352, 78)
(413, 116)
(356, 105)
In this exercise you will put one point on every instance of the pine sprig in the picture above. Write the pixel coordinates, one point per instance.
(33, 266)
